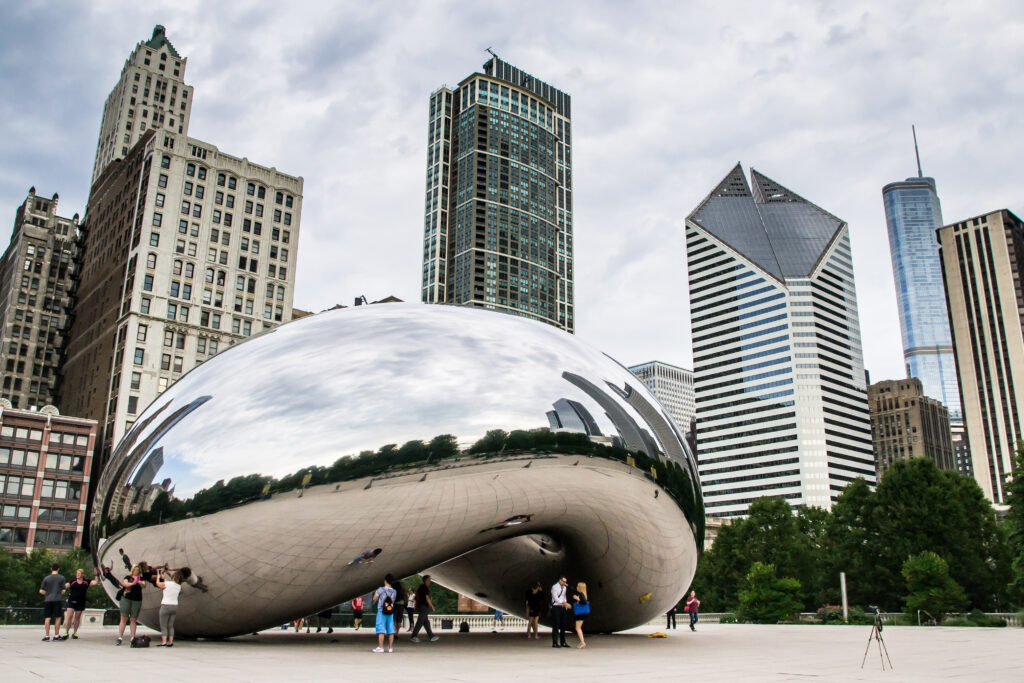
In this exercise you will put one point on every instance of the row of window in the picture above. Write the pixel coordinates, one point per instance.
(18, 536)
(14, 485)
(15, 457)
(24, 512)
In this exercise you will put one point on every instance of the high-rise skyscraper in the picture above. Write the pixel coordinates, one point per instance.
(913, 214)
(151, 93)
(672, 386)
(982, 262)
(498, 215)
(186, 251)
(778, 368)
(36, 285)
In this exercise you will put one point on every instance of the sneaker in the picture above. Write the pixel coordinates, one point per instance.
(118, 641)
(434, 639)
(46, 638)
(170, 644)
(414, 639)
(389, 650)
(74, 636)
(330, 630)
(378, 649)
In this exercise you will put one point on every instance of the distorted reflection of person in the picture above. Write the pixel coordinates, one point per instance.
(534, 605)
(366, 557)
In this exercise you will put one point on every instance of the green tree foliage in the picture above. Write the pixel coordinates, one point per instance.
(20, 576)
(773, 533)
(929, 586)
(767, 599)
(1015, 527)
(915, 508)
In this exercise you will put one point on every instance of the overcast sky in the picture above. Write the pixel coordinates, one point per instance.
(667, 97)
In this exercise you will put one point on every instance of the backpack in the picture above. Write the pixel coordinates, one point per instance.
(140, 641)
(389, 605)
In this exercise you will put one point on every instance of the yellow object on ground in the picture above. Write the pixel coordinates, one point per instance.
(657, 634)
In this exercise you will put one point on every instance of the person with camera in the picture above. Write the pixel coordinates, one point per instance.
(168, 605)
(130, 602)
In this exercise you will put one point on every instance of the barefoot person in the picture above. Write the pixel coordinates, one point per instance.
(51, 588)
(77, 592)
(580, 609)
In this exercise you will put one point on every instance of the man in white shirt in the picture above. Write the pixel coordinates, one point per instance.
(558, 613)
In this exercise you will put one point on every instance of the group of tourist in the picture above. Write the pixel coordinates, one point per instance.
(568, 611)
(129, 598)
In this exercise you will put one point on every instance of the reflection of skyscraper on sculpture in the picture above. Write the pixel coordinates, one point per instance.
(572, 416)
(633, 437)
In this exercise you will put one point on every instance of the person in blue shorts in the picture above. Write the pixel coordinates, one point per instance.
(385, 599)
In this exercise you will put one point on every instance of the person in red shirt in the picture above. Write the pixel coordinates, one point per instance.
(693, 607)
(357, 611)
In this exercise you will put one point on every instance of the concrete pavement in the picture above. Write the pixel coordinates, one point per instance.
(714, 653)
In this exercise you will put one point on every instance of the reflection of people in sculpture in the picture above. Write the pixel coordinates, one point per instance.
(366, 557)
(124, 558)
(77, 591)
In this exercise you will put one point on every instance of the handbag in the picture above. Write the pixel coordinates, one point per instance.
(581, 608)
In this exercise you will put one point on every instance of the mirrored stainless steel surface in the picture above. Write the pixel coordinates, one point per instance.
(489, 450)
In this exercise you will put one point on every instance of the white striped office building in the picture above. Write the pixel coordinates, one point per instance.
(778, 369)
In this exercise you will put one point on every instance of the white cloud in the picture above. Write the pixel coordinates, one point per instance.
(666, 98)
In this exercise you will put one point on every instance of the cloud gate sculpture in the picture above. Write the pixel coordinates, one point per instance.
(488, 450)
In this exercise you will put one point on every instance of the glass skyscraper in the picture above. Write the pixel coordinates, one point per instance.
(913, 214)
(498, 211)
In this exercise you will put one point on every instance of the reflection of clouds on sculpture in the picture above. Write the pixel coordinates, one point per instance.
(347, 381)
(570, 455)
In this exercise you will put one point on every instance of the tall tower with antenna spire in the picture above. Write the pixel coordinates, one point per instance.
(913, 214)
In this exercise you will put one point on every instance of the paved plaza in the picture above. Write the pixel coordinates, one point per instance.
(715, 653)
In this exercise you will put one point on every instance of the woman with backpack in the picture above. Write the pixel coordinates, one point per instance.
(385, 599)
(580, 609)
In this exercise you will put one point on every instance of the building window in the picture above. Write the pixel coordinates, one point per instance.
(154, 239)
(141, 334)
(136, 380)
(140, 354)
(133, 405)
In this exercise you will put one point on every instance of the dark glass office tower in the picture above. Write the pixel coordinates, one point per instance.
(498, 213)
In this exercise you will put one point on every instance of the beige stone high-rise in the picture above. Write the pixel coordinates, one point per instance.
(151, 93)
(36, 286)
(187, 250)
(907, 424)
(982, 262)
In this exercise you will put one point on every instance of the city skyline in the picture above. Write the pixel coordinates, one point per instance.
(818, 87)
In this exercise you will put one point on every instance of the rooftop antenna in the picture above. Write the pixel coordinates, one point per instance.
(492, 53)
(916, 153)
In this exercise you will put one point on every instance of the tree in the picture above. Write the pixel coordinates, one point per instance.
(772, 534)
(918, 507)
(767, 599)
(1015, 527)
(929, 586)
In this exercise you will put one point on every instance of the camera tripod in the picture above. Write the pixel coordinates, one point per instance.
(876, 635)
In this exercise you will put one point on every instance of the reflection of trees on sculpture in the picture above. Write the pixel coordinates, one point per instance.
(393, 459)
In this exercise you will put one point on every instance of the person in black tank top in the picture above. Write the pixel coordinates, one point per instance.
(77, 592)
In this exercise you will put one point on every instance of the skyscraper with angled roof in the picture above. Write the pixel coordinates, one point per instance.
(497, 228)
(778, 369)
(912, 215)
